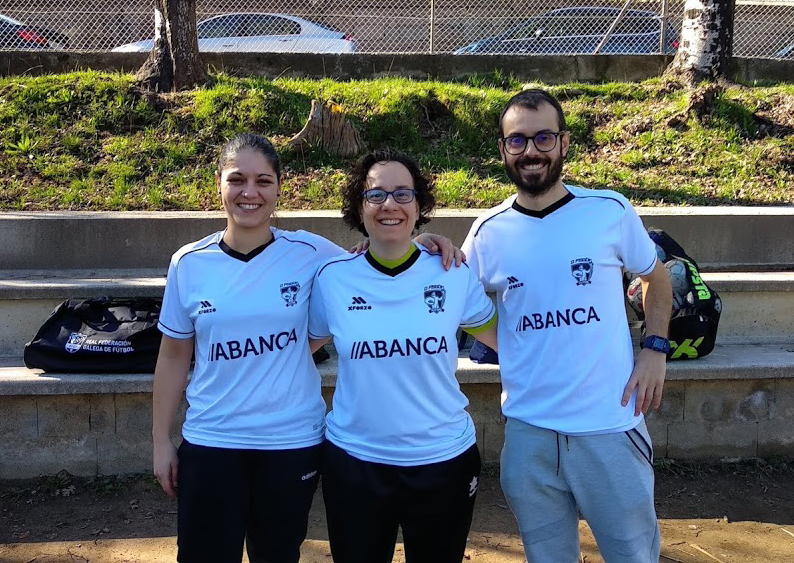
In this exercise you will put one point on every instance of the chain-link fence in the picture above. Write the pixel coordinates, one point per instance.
(763, 28)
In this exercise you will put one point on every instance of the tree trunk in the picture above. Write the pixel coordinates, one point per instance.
(174, 63)
(328, 129)
(706, 42)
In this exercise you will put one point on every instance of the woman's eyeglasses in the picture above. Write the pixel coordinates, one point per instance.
(400, 195)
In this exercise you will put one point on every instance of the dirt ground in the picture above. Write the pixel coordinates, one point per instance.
(729, 512)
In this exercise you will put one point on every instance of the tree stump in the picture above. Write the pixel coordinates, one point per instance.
(328, 129)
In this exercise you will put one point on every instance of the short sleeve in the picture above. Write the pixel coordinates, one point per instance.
(327, 249)
(174, 319)
(479, 309)
(324, 247)
(637, 250)
(318, 321)
(473, 259)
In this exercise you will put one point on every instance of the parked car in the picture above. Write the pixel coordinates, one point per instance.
(785, 53)
(272, 33)
(17, 35)
(570, 31)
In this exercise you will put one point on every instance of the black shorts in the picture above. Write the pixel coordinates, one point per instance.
(227, 496)
(366, 503)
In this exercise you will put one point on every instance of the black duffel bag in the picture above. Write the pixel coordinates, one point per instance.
(696, 306)
(102, 335)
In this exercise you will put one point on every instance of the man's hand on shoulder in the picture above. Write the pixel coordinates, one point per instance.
(648, 378)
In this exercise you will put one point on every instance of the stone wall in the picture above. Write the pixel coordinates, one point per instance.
(550, 70)
(717, 419)
(110, 433)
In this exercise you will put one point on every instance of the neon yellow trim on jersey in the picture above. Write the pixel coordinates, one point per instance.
(397, 261)
(482, 328)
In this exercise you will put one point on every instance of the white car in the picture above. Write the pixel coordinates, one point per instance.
(255, 33)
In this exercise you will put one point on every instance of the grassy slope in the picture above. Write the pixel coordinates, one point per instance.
(88, 140)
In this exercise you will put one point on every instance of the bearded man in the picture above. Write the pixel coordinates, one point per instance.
(572, 392)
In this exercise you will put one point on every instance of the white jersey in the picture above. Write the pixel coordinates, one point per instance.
(397, 400)
(565, 350)
(254, 384)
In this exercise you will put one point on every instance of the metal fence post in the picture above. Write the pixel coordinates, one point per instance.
(663, 31)
(432, 23)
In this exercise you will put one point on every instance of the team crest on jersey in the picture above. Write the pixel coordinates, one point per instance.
(75, 342)
(289, 293)
(435, 295)
(582, 270)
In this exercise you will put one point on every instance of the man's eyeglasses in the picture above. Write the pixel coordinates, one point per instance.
(400, 195)
(544, 142)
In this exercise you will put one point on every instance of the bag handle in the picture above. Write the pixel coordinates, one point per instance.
(97, 310)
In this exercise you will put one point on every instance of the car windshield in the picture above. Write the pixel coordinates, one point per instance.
(253, 25)
(562, 25)
(638, 24)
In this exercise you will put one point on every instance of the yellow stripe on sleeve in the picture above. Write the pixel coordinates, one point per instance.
(483, 327)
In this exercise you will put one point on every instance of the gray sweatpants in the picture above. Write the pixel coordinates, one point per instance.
(548, 478)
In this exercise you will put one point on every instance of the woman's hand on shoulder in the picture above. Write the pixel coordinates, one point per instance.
(438, 244)
(360, 247)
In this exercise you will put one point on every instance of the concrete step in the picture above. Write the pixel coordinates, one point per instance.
(719, 238)
(758, 306)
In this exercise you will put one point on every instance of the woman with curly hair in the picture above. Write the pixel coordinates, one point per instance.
(400, 448)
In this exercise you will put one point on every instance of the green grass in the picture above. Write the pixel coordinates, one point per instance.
(90, 140)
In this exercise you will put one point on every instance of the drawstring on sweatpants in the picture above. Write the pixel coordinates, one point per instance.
(558, 452)
(567, 447)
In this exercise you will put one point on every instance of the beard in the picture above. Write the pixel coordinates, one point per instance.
(535, 184)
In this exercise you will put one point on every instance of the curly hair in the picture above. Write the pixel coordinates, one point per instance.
(352, 192)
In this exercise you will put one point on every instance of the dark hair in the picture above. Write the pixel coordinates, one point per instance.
(250, 141)
(531, 99)
(352, 192)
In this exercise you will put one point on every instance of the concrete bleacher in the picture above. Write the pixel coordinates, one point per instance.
(737, 402)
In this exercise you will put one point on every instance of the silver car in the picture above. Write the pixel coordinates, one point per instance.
(268, 33)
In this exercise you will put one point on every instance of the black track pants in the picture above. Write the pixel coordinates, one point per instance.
(229, 495)
(366, 502)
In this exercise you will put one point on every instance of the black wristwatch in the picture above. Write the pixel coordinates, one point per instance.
(657, 344)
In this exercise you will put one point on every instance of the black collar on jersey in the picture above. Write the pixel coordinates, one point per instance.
(245, 257)
(543, 212)
(397, 269)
